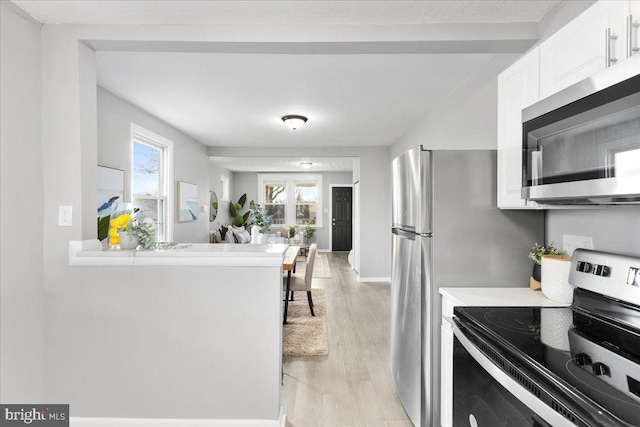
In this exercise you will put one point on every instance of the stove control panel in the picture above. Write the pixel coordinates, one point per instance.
(610, 367)
(598, 270)
(613, 275)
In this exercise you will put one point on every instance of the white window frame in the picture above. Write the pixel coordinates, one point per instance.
(165, 170)
(290, 181)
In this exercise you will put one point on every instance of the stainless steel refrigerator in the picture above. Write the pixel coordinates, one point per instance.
(447, 232)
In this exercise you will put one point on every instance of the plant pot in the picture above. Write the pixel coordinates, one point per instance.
(128, 241)
(555, 285)
(537, 272)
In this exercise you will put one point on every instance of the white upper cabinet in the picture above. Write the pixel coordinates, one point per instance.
(517, 89)
(594, 40)
(602, 36)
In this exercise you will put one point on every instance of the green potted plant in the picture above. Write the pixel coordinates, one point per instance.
(535, 255)
(137, 232)
(309, 231)
(144, 231)
(223, 232)
(238, 219)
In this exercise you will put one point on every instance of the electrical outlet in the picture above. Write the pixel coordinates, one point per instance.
(571, 243)
(65, 216)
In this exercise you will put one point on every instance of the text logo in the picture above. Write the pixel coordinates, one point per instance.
(36, 415)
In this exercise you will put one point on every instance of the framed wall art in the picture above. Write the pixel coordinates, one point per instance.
(110, 197)
(187, 202)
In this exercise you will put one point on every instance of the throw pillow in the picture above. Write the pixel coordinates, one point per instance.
(242, 237)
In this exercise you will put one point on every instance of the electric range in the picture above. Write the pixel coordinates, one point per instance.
(578, 365)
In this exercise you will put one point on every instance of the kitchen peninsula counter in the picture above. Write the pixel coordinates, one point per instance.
(91, 253)
(192, 333)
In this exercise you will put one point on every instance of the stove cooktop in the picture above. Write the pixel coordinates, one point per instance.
(599, 373)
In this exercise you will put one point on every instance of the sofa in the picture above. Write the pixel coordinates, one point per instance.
(233, 235)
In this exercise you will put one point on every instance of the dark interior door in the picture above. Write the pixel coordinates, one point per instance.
(341, 223)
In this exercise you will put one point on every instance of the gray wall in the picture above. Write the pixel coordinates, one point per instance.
(614, 228)
(21, 211)
(247, 182)
(467, 119)
(191, 163)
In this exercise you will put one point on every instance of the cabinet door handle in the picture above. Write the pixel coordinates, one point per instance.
(631, 50)
(607, 48)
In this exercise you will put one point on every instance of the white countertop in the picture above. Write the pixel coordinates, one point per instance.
(91, 253)
(508, 297)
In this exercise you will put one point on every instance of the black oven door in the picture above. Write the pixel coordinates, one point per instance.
(484, 395)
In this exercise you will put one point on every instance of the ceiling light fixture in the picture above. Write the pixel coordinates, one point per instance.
(306, 165)
(294, 121)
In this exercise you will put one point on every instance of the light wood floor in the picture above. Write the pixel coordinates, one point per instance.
(352, 386)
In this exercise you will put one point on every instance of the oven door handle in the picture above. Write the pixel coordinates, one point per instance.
(514, 387)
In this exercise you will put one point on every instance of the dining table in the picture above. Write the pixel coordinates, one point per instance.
(289, 265)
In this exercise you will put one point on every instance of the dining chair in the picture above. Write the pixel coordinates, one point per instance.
(303, 283)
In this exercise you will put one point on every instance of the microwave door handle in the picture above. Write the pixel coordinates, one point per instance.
(607, 48)
(631, 50)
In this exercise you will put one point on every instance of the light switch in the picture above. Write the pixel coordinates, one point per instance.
(65, 216)
(325, 210)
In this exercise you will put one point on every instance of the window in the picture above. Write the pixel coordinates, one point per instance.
(275, 201)
(151, 178)
(292, 198)
(306, 202)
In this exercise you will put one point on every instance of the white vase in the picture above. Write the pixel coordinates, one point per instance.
(262, 239)
(255, 235)
(128, 241)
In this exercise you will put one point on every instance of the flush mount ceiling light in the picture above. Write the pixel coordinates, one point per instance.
(294, 121)
(306, 165)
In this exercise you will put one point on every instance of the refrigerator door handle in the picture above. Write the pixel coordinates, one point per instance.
(408, 234)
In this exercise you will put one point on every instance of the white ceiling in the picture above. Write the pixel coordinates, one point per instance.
(284, 164)
(239, 99)
(253, 12)
(227, 96)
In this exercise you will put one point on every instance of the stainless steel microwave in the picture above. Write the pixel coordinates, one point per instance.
(582, 145)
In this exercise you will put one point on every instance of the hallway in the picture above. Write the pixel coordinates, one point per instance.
(352, 386)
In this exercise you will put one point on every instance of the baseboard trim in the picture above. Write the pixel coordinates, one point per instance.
(373, 279)
(158, 422)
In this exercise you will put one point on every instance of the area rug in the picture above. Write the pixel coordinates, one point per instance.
(306, 335)
(321, 268)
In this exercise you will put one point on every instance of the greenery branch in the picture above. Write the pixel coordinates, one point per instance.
(260, 217)
(538, 250)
